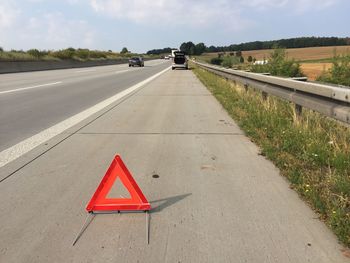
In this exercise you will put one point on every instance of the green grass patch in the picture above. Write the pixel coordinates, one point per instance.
(322, 60)
(312, 151)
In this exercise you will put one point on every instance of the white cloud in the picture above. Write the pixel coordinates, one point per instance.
(8, 14)
(62, 32)
(195, 13)
(37, 23)
(294, 6)
(263, 4)
(49, 31)
(302, 6)
(199, 13)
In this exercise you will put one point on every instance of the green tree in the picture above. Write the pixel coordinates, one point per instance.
(124, 50)
(250, 59)
(188, 47)
(1, 49)
(199, 49)
(339, 73)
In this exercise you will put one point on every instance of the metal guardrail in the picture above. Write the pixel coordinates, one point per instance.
(331, 101)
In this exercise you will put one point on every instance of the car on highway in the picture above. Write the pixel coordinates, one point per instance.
(180, 60)
(136, 61)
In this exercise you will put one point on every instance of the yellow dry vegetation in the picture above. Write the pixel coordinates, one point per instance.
(314, 70)
(301, 54)
(311, 58)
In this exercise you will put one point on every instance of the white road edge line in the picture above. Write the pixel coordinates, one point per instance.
(32, 87)
(122, 71)
(27, 145)
(85, 70)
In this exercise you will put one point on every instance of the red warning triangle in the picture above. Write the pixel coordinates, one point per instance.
(100, 202)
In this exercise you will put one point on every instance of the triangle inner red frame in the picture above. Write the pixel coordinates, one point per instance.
(100, 202)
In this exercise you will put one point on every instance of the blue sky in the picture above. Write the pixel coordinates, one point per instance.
(141, 25)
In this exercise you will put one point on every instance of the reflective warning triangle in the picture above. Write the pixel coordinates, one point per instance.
(99, 201)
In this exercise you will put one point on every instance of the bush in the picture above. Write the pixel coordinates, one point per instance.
(229, 61)
(36, 53)
(279, 65)
(1, 49)
(216, 61)
(64, 53)
(82, 53)
(339, 73)
(97, 54)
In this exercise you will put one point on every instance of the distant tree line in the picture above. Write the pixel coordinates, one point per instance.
(197, 49)
(193, 49)
(300, 42)
(166, 50)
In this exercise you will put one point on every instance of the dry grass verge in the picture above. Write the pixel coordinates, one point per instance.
(312, 151)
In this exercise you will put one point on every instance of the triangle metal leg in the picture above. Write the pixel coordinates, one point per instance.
(86, 224)
(147, 227)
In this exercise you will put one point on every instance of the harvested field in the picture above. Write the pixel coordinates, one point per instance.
(314, 70)
(302, 54)
(314, 60)
(312, 54)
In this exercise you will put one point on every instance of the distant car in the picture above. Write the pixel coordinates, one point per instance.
(136, 61)
(166, 57)
(179, 60)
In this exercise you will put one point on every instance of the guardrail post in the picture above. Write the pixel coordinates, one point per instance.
(264, 95)
(246, 87)
(298, 110)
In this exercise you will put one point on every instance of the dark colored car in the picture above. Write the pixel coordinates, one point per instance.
(136, 61)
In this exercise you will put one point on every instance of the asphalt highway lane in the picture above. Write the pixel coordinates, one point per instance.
(33, 101)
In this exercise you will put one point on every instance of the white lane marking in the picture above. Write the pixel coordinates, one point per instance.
(25, 146)
(85, 70)
(122, 71)
(157, 63)
(32, 87)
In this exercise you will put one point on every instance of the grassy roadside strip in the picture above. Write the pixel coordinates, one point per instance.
(312, 151)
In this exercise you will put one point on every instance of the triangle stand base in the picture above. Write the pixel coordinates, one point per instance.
(92, 215)
(88, 220)
(101, 204)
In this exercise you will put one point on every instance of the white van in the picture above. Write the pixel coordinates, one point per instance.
(179, 60)
(173, 52)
